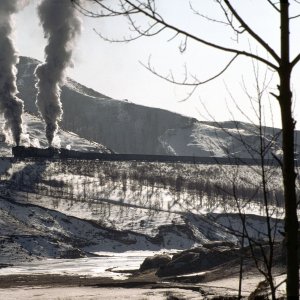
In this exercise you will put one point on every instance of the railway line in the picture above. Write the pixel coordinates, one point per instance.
(22, 152)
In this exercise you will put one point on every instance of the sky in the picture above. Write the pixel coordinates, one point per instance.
(116, 69)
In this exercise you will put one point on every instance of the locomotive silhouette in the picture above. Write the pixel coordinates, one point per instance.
(22, 152)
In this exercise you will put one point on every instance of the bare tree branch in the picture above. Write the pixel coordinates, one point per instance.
(295, 61)
(294, 17)
(251, 32)
(184, 82)
(228, 22)
(205, 42)
(147, 11)
(170, 78)
(274, 5)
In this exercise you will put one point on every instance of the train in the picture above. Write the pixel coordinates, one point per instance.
(34, 152)
(23, 152)
(52, 153)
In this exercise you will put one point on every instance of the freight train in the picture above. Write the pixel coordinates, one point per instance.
(22, 152)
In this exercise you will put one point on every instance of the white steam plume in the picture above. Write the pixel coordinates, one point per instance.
(61, 25)
(10, 105)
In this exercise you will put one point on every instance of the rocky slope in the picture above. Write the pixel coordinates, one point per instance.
(129, 128)
(122, 126)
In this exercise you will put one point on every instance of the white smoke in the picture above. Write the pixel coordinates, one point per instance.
(25, 139)
(10, 105)
(56, 141)
(35, 143)
(61, 25)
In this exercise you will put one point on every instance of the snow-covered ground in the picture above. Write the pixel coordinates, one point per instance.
(106, 265)
(92, 293)
(116, 207)
(144, 198)
(138, 196)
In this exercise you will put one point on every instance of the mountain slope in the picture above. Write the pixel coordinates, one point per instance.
(68, 208)
(129, 128)
(122, 126)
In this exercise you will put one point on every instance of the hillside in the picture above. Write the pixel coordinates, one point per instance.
(102, 219)
(121, 126)
(96, 206)
(126, 127)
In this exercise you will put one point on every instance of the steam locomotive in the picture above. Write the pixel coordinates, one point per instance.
(62, 153)
(51, 152)
(27, 152)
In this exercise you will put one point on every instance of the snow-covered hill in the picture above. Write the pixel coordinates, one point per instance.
(125, 127)
(60, 208)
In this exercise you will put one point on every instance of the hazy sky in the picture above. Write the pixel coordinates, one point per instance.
(116, 70)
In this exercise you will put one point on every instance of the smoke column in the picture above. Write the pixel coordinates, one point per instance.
(10, 105)
(61, 25)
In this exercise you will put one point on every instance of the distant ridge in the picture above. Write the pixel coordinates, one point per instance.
(126, 127)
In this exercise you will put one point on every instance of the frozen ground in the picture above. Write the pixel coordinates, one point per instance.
(92, 293)
(108, 264)
(81, 287)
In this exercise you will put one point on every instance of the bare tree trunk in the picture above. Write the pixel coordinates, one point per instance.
(289, 175)
(242, 261)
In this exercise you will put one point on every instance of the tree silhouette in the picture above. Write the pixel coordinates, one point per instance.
(279, 62)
